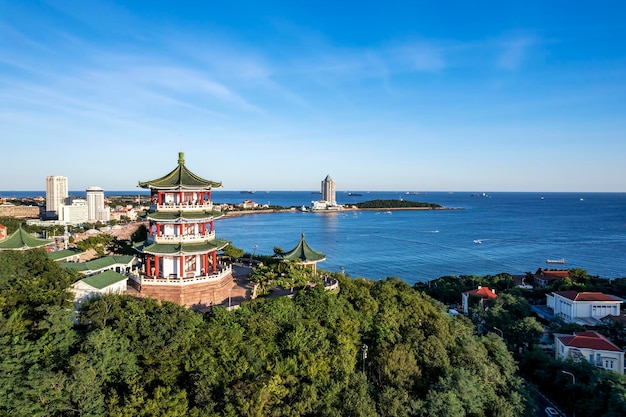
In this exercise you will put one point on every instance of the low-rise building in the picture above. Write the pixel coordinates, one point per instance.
(584, 308)
(108, 282)
(483, 295)
(544, 277)
(20, 212)
(590, 346)
(75, 213)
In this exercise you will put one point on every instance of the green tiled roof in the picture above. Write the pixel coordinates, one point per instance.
(184, 215)
(65, 253)
(21, 240)
(180, 178)
(104, 279)
(303, 253)
(187, 248)
(97, 264)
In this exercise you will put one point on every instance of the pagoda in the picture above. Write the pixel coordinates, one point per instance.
(180, 254)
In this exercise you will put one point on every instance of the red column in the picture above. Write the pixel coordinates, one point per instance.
(180, 232)
(205, 261)
(147, 265)
(156, 266)
(180, 198)
(214, 261)
(181, 273)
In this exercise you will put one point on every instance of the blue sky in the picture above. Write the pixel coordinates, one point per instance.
(393, 95)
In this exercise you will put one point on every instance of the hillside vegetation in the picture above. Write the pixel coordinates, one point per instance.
(374, 348)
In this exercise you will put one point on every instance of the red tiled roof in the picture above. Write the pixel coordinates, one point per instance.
(589, 340)
(483, 292)
(586, 296)
(563, 273)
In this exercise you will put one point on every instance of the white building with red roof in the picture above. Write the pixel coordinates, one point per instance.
(483, 294)
(584, 308)
(590, 346)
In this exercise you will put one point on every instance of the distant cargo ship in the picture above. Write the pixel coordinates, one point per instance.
(247, 192)
(555, 261)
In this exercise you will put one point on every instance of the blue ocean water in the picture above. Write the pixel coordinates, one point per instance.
(498, 232)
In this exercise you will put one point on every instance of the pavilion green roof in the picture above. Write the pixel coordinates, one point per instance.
(22, 240)
(183, 215)
(303, 253)
(187, 248)
(96, 264)
(104, 279)
(180, 178)
(65, 253)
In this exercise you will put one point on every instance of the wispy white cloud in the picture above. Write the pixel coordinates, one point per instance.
(514, 52)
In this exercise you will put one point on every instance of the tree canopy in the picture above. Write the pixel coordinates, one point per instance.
(373, 348)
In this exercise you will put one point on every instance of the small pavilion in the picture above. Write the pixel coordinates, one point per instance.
(304, 255)
(22, 240)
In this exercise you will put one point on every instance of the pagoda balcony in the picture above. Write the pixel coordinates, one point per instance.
(189, 278)
(196, 238)
(185, 206)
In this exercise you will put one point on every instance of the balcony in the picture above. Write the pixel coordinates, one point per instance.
(195, 238)
(142, 279)
(190, 206)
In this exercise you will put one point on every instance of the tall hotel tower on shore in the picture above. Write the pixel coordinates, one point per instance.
(95, 204)
(56, 193)
(328, 191)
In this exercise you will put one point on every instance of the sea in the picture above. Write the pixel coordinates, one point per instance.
(477, 234)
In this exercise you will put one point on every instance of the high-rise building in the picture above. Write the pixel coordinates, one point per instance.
(95, 205)
(56, 193)
(328, 190)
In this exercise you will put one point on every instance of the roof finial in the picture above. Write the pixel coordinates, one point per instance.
(181, 158)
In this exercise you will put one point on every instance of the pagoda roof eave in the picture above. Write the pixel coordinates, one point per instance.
(21, 240)
(180, 178)
(185, 248)
(303, 253)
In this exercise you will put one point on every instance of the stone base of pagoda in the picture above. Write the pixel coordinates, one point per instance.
(193, 293)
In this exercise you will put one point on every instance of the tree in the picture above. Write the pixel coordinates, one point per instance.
(233, 251)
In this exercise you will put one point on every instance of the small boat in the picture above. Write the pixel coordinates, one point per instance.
(555, 261)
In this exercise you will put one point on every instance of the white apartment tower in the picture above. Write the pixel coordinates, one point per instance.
(95, 205)
(328, 191)
(56, 193)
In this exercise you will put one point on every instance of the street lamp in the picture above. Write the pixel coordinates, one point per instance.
(501, 334)
(364, 347)
(572, 375)
(253, 253)
(573, 383)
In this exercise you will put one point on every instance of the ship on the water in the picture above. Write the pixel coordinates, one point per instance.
(555, 261)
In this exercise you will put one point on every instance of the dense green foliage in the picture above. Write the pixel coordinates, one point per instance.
(274, 357)
(385, 204)
(597, 392)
